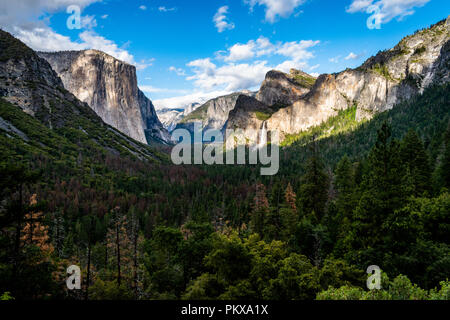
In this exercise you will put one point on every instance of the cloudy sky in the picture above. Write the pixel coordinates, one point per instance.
(188, 51)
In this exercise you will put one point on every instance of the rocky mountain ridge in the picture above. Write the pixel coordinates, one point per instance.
(284, 89)
(171, 117)
(28, 82)
(214, 113)
(109, 87)
(381, 82)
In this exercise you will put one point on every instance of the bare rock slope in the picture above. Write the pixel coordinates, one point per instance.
(384, 80)
(109, 87)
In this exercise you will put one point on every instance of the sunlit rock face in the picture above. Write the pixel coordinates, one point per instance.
(214, 113)
(384, 80)
(28, 81)
(284, 89)
(109, 87)
(171, 117)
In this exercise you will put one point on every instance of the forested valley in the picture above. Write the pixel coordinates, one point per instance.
(377, 193)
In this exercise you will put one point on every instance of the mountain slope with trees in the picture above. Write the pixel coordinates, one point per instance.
(348, 195)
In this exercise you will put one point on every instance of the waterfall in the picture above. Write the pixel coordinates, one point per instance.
(263, 135)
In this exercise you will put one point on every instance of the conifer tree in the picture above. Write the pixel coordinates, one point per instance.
(313, 194)
(382, 194)
(444, 166)
(416, 162)
(290, 197)
(260, 209)
(34, 231)
(119, 245)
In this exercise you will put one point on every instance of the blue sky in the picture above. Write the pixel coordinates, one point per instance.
(187, 51)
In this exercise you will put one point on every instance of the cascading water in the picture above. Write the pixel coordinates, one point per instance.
(263, 135)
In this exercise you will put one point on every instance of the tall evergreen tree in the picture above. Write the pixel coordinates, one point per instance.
(260, 209)
(313, 193)
(345, 186)
(382, 194)
(444, 166)
(416, 162)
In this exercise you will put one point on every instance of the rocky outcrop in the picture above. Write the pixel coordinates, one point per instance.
(171, 117)
(283, 89)
(109, 87)
(214, 113)
(381, 82)
(250, 114)
(29, 82)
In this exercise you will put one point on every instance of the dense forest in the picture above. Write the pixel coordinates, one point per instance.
(370, 193)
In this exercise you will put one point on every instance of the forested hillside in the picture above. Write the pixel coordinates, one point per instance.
(348, 195)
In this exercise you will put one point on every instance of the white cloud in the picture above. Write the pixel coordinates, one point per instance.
(94, 41)
(296, 51)
(142, 7)
(164, 9)
(291, 64)
(352, 56)
(221, 21)
(104, 16)
(179, 71)
(384, 11)
(230, 77)
(241, 52)
(88, 22)
(233, 76)
(25, 13)
(21, 18)
(212, 80)
(335, 59)
(185, 100)
(276, 8)
(152, 89)
(45, 39)
(264, 46)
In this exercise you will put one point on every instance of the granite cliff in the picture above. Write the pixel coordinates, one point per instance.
(384, 80)
(109, 87)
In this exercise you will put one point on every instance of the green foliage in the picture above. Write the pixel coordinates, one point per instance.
(304, 80)
(400, 288)
(363, 195)
(313, 193)
(6, 296)
(109, 290)
(443, 293)
(262, 116)
(420, 50)
(342, 293)
(442, 176)
(11, 48)
(344, 121)
(382, 70)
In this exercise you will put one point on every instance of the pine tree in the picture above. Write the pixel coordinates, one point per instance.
(119, 245)
(345, 186)
(313, 194)
(417, 165)
(13, 180)
(290, 197)
(444, 166)
(35, 232)
(260, 209)
(58, 234)
(382, 194)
